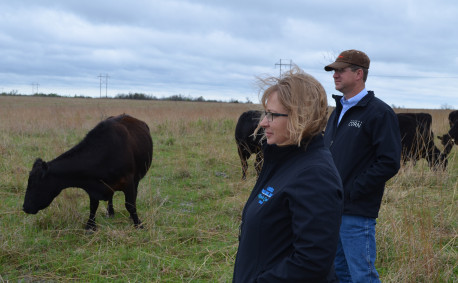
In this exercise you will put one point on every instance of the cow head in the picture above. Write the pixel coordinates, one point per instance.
(446, 139)
(40, 190)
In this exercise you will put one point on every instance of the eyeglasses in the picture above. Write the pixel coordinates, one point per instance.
(270, 115)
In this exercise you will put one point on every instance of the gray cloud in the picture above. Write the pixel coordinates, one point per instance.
(215, 49)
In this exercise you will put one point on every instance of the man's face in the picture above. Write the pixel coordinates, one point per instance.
(345, 79)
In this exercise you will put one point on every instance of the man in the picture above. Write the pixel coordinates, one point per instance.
(363, 136)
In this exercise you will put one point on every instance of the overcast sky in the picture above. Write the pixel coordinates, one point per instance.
(216, 49)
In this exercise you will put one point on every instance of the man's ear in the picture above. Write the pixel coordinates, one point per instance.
(360, 73)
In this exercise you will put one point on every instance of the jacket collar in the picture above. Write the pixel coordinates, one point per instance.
(363, 102)
(274, 150)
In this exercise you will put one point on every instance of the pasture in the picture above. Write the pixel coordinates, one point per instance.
(190, 201)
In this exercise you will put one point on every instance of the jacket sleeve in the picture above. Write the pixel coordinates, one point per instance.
(315, 203)
(386, 140)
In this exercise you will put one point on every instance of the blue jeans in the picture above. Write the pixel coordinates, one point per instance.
(356, 250)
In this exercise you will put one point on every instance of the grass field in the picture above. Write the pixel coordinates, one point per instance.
(190, 200)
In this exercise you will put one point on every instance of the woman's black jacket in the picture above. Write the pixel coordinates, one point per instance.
(290, 223)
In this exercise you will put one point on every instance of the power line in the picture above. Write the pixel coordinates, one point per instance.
(284, 64)
(413, 77)
(451, 76)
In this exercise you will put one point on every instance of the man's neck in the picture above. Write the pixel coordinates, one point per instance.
(353, 92)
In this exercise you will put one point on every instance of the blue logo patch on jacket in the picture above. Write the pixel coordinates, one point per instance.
(265, 195)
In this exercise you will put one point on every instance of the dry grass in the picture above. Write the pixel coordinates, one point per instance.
(190, 200)
(417, 227)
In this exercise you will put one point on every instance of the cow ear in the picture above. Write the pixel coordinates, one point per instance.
(37, 162)
(42, 165)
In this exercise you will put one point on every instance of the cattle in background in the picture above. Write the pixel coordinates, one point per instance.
(113, 156)
(247, 143)
(417, 140)
(450, 138)
(453, 118)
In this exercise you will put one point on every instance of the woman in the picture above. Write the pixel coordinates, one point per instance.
(290, 223)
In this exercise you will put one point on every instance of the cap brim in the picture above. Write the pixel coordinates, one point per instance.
(336, 66)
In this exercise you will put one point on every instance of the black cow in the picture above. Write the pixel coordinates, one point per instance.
(453, 118)
(113, 156)
(247, 143)
(450, 138)
(417, 139)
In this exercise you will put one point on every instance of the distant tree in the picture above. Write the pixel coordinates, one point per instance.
(178, 97)
(138, 96)
(397, 107)
(47, 95)
(81, 96)
(446, 106)
(11, 93)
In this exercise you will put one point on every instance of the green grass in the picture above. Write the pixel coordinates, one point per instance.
(190, 202)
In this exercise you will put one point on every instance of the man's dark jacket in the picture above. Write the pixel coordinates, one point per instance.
(290, 223)
(366, 147)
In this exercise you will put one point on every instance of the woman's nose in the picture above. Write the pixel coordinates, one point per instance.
(264, 122)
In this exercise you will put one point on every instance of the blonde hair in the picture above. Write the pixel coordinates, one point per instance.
(305, 100)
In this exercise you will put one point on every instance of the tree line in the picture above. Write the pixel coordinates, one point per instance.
(133, 96)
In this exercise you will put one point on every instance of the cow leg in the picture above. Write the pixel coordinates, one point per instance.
(244, 155)
(94, 204)
(244, 168)
(110, 209)
(130, 203)
(244, 162)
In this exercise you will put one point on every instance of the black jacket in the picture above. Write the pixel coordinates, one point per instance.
(366, 147)
(290, 223)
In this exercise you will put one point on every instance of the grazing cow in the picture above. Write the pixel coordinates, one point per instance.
(417, 139)
(453, 118)
(450, 138)
(113, 156)
(247, 143)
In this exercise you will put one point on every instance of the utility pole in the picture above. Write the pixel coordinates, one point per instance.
(100, 77)
(33, 87)
(106, 84)
(284, 64)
